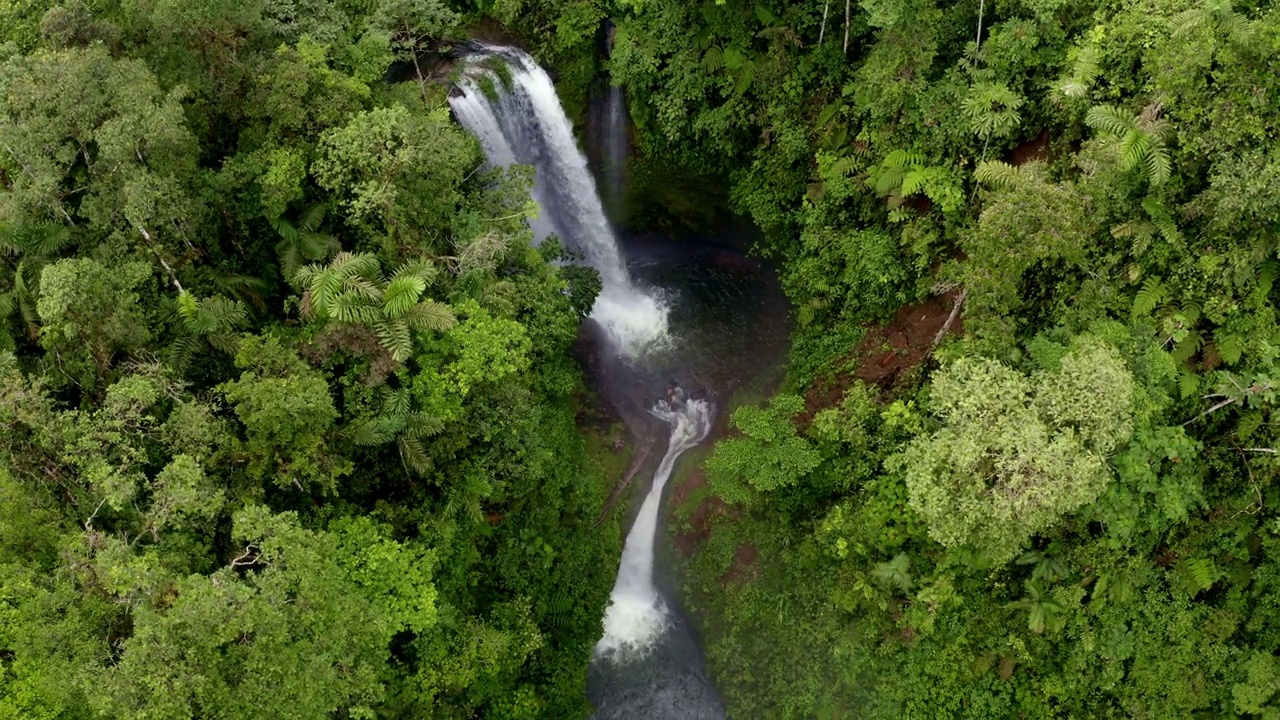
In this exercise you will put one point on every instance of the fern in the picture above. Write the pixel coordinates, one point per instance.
(558, 610)
(1162, 220)
(1230, 345)
(895, 573)
(1188, 384)
(997, 174)
(1153, 293)
(1197, 574)
(1188, 346)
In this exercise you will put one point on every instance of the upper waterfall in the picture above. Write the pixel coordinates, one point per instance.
(518, 118)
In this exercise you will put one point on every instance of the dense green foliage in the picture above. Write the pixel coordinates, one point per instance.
(287, 410)
(1071, 509)
(287, 413)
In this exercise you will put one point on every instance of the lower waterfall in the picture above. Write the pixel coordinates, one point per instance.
(637, 614)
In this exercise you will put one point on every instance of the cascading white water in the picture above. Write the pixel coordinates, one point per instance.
(637, 614)
(517, 117)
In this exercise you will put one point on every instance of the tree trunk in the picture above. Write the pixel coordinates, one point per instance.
(846, 27)
(823, 30)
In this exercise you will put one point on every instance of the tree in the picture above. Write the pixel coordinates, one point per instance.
(768, 456)
(396, 170)
(299, 623)
(287, 414)
(1139, 140)
(351, 291)
(1026, 219)
(88, 138)
(89, 310)
(1015, 453)
(31, 247)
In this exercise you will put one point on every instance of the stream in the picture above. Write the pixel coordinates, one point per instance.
(679, 325)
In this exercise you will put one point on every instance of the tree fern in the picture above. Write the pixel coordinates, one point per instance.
(351, 291)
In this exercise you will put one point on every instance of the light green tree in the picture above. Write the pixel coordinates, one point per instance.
(298, 623)
(1015, 453)
(92, 311)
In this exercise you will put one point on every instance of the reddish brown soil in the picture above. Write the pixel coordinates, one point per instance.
(745, 566)
(1035, 149)
(886, 352)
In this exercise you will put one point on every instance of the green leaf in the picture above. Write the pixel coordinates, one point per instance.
(401, 294)
(430, 315)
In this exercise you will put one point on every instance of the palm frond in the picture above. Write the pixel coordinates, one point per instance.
(401, 294)
(317, 245)
(422, 425)
(311, 217)
(430, 315)
(421, 268)
(415, 455)
(1113, 121)
(353, 309)
(182, 351)
(1153, 293)
(1156, 162)
(379, 430)
(397, 402)
(996, 174)
(395, 337)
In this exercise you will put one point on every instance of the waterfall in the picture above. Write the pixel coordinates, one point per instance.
(637, 614)
(615, 148)
(517, 117)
